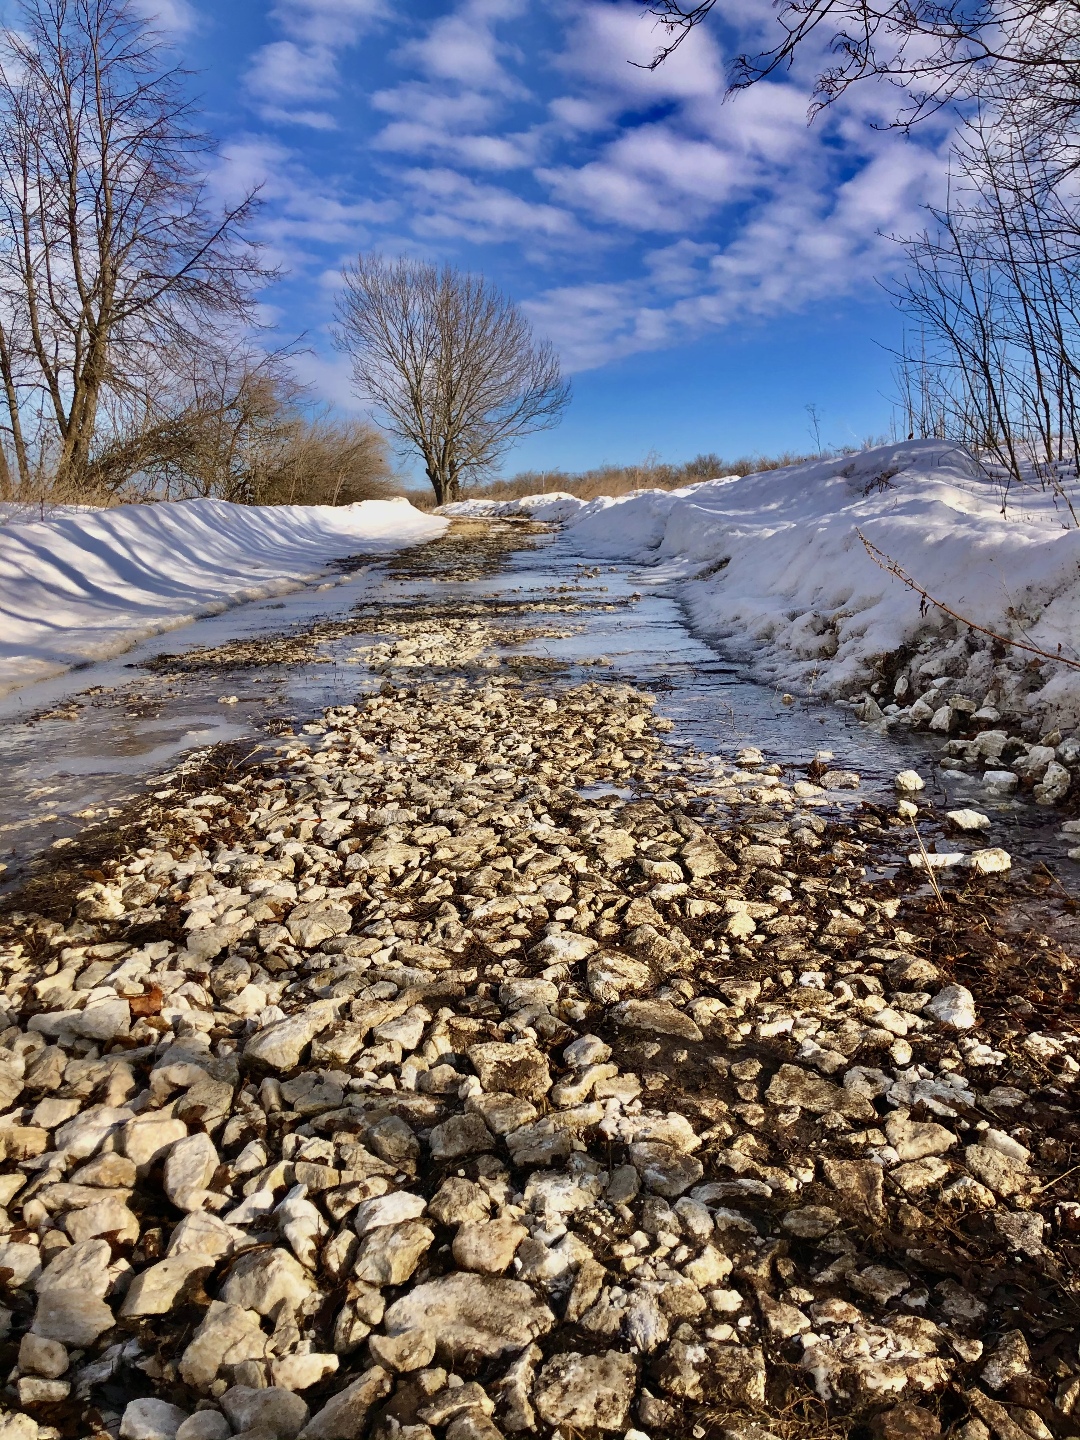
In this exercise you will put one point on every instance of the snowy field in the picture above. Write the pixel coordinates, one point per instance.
(771, 567)
(84, 584)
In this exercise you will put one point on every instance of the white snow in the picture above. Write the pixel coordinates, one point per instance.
(554, 507)
(772, 567)
(84, 584)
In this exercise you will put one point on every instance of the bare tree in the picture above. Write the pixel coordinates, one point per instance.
(937, 51)
(993, 291)
(111, 257)
(449, 363)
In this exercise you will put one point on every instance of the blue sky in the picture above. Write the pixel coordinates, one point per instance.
(706, 270)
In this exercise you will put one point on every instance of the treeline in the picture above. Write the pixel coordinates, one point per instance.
(648, 474)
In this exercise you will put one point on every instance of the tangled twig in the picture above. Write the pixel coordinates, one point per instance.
(887, 563)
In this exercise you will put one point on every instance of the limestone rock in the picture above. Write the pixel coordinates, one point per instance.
(155, 1291)
(954, 1006)
(73, 1317)
(151, 1419)
(655, 1017)
(488, 1246)
(390, 1254)
(274, 1409)
(261, 1280)
(586, 1392)
(228, 1335)
(470, 1314)
(189, 1168)
(344, 1416)
(519, 1069)
(280, 1045)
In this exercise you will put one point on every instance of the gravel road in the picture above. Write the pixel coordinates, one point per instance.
(478, 1061)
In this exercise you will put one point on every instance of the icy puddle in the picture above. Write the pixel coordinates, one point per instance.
(73, 749)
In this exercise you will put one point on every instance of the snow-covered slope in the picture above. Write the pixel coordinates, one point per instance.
(82, 584)
(775, 569)
(555, 507)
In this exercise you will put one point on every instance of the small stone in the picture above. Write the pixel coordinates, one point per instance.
(38, 1356)
(107, 1217)
(408, 1350)
(228, 1335)
(502, 1112)
(909, 782)
(34, 1390)
(998, 1172)
(261, 1280)
(654, 1017)
(157, 1290)
(205, 1425)
(81, 1137)
(459, 1136)
(912, 1140)
(905, 1422)
(300, 1372)
(953, 1006)
(472, 1314)
(585, 1051)
(204, 1234)
(151, 1419)
(73, 1317)
(280, 1045)
(390, 1254)
(344, 1416)
(810, 1222)
(664, 1170)
(274, 1408)
(83, 1267)
(488, 1247)
(1009, 1359)
(189, 1168)
(989, 862)
(966, 820)
(390, 1209)
(518, 1069)
(148, 1138)
(586, 1392)
(1000, 782)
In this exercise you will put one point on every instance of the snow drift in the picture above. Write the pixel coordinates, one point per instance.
(84, 584)
(555, 507)
(775, 570)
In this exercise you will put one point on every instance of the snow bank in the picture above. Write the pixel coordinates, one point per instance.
(555, 507)
(84, 584)
(775, 570)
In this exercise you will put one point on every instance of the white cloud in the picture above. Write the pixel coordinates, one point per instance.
(463, 46)
(810, 239)
(172, 18)
(449, 204)
(302, 214)
(285, 76)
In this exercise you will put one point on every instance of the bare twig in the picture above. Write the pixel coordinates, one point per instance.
(887, 563)
(927, 866)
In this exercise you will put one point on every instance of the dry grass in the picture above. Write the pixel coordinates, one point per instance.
(651, 473)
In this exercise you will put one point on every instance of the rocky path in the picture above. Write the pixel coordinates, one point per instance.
(477, 1064)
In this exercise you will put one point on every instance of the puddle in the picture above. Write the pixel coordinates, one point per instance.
(118, 725)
